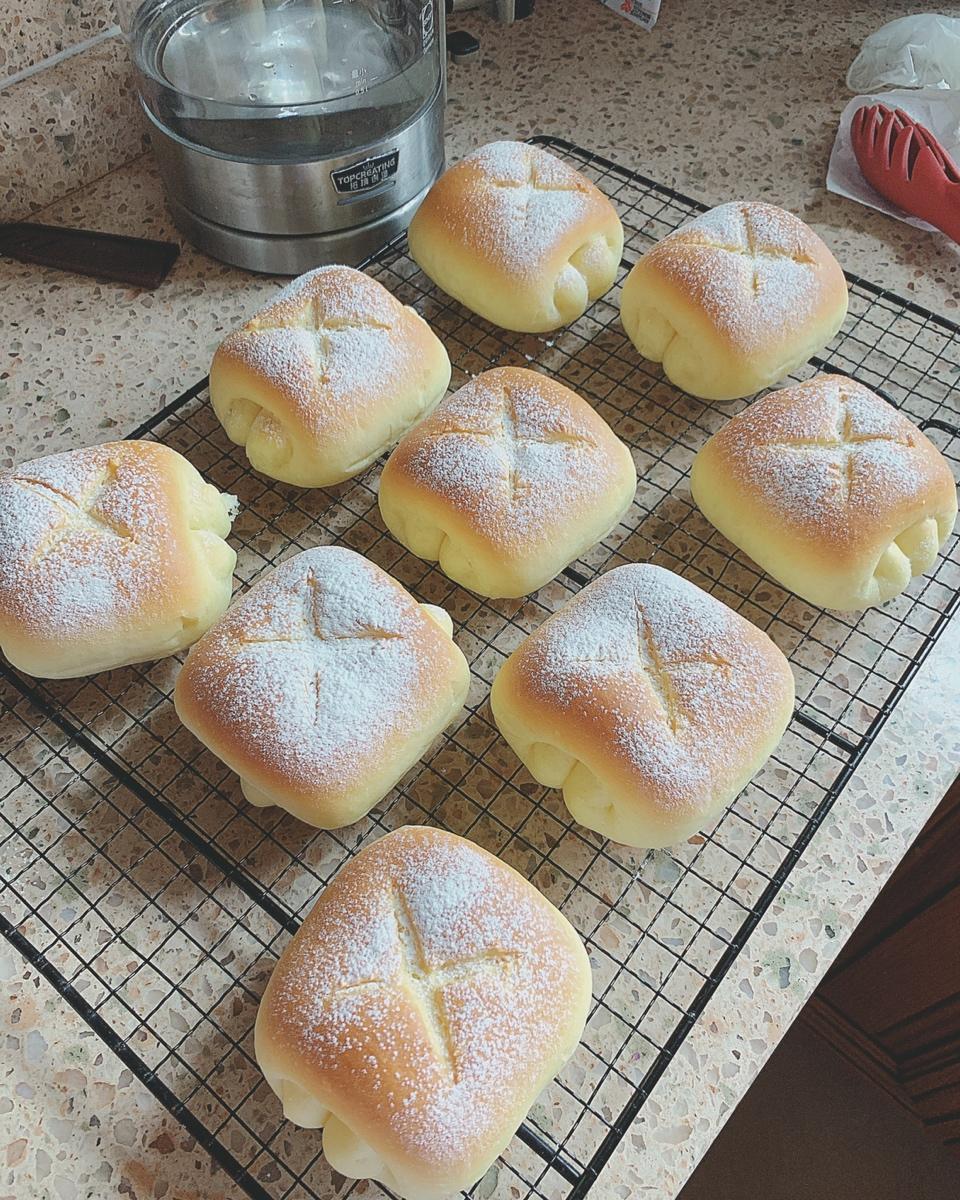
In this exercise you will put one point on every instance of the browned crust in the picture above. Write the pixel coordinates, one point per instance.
(691, 265)
(382, 1073)
(489, 518)
(462, 214)
(672, 749)
(871, 501)
(138, 498)
(311, 405)
(324, 791)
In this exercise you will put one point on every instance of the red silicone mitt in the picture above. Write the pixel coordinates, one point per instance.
(906, 164)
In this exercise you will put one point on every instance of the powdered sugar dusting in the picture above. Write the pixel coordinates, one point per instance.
(330, 661)
(337, 293)
(332, 342)
(519, 162)
(88, 540)
(439, 981)
(319, 372)
(522, 201)
(827, 455)
(516, 454)
(757, 271)
(678, 686)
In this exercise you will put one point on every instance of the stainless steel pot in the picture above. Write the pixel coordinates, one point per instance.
(291, 132)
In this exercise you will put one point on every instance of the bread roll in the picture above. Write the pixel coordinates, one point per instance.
(518, 236)
(109, 555)
(734, 300)
(323, 685)
(428, 998)
(326, 378)
(512, 477)
(650, 703)
(830, 490)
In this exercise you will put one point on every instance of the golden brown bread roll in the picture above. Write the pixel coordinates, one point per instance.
(512, 478)
(323, 685)
(650, 703)
(109, 555)
(326, 377)
(829, 489)
(428, 998)
(734, 300)
(518, 236)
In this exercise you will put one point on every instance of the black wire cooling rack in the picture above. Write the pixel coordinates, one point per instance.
(137, 880)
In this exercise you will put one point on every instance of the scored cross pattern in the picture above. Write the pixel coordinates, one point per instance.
(749, 247)
(840, 448)
(76, 516)
(655, 668)
(533, 184)
(313, 320)
(313, 634)
(424, 985)
(509, 436)
(643, 658)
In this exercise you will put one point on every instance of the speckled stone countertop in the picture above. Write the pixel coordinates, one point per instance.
(719, 101)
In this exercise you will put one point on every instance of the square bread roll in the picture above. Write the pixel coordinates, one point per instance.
(734, 300)
(830, 490)
(326, 378)
(109, 555)
(518, 236)
(512, 478)
(323, 685)
(650, 703)
(427, 999)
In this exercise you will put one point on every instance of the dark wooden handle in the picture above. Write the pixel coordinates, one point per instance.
(141, 262)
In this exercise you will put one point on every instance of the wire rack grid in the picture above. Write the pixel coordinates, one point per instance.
(139, 882)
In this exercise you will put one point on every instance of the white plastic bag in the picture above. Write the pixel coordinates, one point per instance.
(911, 52)
(939, 111)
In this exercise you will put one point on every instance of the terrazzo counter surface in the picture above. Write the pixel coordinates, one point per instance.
(716, 104)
